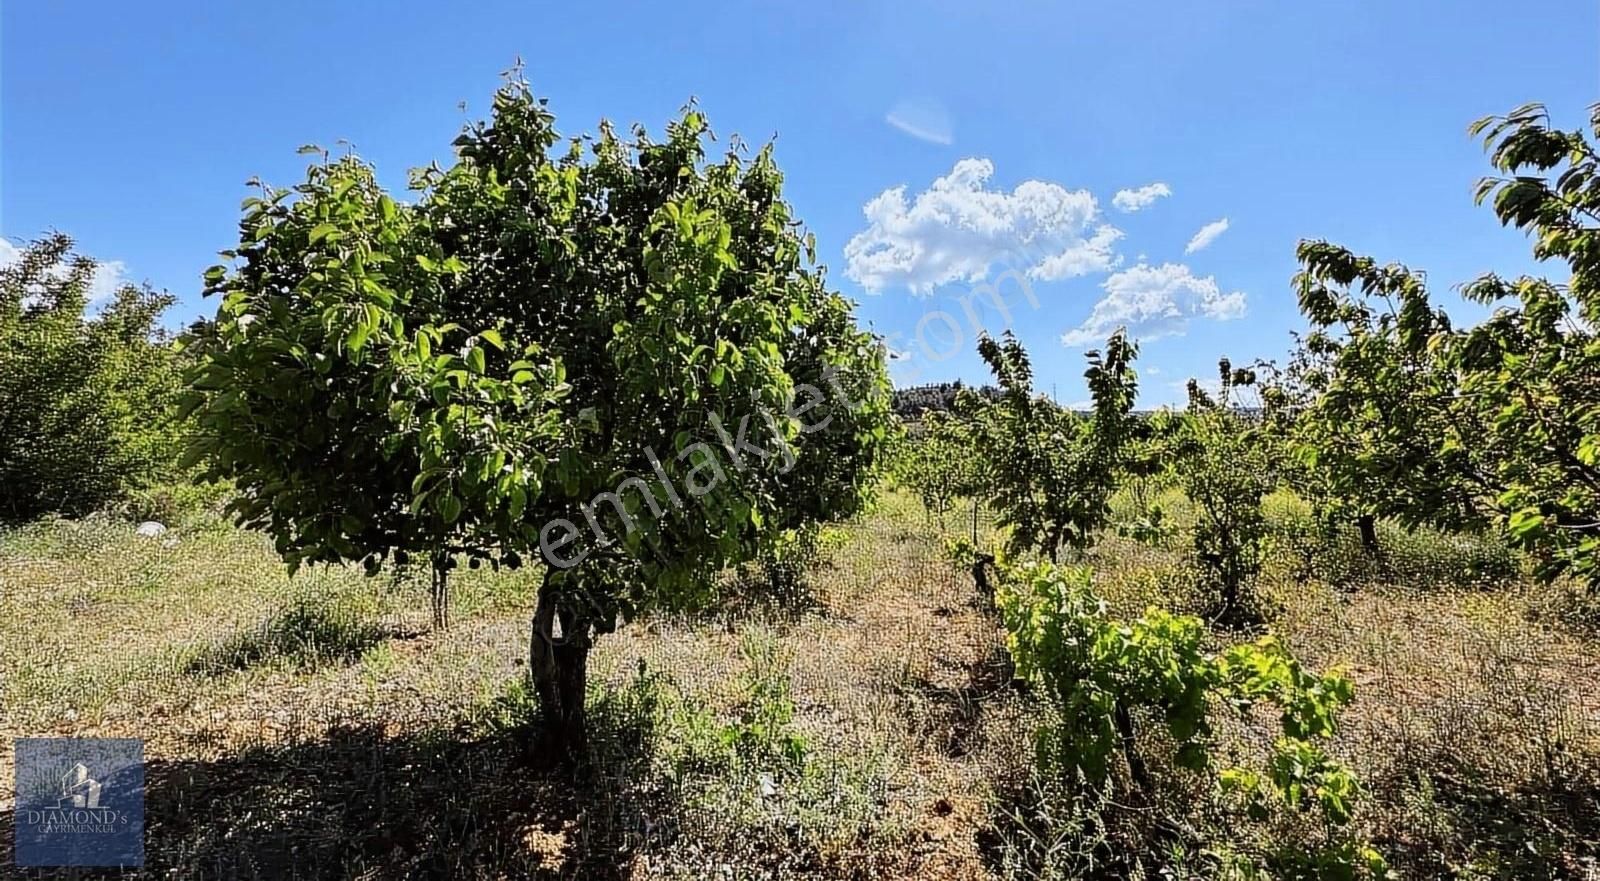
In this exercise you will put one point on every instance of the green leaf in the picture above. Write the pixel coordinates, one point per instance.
(448, 506)
(356, 340)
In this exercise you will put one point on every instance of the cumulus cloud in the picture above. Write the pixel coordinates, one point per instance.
(923, 120)
(1153, 302)
(1143, 197)
(958, 229)
(1206, 235)
(109, 276)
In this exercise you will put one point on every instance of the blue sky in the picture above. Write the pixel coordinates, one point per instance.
(1011, 127)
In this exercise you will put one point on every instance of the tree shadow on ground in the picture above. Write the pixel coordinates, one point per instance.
(778, 596)
(955, 710)
(358, 802)
(309, 636)
(1527, 830)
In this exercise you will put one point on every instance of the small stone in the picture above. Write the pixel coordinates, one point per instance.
(150, 529)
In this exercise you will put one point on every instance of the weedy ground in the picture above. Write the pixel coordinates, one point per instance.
(862, 725)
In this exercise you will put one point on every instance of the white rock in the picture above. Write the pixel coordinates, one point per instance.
(150, 529)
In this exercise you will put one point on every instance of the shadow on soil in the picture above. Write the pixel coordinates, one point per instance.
(308, 636)
(956, 709)
(1523, 831)
(359, 803)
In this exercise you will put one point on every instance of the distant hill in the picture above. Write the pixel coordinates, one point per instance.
(911, 403)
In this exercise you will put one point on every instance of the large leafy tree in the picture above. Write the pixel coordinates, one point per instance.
(614, 355)
(86, 390)
(1530, 374)
(1503, 418)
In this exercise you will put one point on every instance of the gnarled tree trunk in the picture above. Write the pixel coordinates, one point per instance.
(558, 664)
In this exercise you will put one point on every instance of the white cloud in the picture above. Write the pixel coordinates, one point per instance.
(1206, 235)
(956, 230)
(109, 276)
(1091, 255)
(923, 120)
(1153, 302)
(1143, 197)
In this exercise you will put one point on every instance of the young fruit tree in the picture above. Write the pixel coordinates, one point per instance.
(1051, 472)
(944, 463)
(1221, 460)
(617, 357)
(1365, 401)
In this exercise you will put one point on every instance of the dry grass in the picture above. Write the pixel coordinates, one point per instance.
(314, 727)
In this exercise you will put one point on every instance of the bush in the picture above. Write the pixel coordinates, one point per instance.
(1100, 677)
(174, 502)
(85, 401)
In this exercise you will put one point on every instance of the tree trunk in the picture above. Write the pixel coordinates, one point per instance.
(439, 590)
(1368, 524)
(558, 664)
(1136, 767)
(980, 575)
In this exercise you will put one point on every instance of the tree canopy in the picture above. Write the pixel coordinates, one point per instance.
(1408, 416)
(86, 390)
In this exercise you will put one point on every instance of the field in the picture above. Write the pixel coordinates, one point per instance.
(864, 724)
